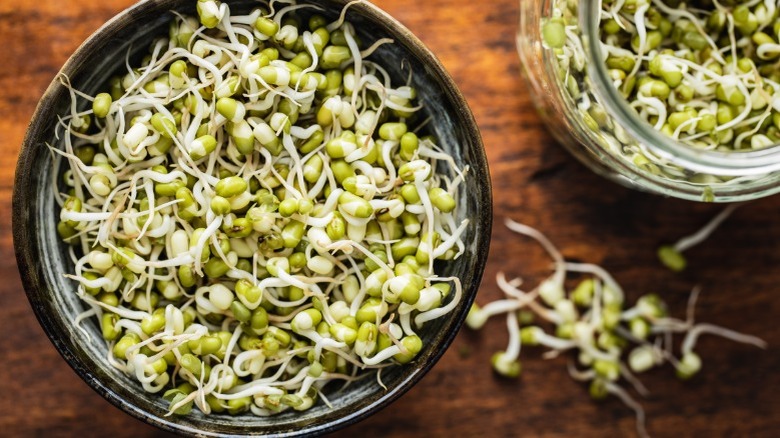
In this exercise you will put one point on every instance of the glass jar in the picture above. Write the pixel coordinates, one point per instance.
(587, 114)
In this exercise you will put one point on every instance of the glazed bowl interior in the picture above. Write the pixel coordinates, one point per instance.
(43, 259)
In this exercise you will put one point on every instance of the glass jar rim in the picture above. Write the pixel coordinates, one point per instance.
(737, 163)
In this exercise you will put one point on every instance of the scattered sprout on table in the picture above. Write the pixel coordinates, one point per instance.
(610, 340)
(254, 211)
(672, 256)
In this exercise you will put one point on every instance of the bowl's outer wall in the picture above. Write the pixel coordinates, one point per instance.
(43, 259)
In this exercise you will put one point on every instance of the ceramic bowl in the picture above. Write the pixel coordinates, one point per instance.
(43, 258)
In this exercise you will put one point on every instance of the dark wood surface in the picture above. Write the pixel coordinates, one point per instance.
(535, 181)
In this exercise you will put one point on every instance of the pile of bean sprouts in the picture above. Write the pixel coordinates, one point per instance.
(703, 72)
(252, 213)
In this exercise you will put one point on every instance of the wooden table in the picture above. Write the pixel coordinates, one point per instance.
(535, 181)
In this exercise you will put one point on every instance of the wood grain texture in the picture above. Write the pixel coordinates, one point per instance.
(535, 182)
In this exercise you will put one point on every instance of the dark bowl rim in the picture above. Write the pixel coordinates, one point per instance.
(22, 230)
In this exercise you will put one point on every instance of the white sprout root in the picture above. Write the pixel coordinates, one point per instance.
(687, 242)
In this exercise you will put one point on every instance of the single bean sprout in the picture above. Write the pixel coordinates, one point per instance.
(672, 256)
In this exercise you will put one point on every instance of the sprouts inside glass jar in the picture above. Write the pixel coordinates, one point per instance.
(674, 98)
